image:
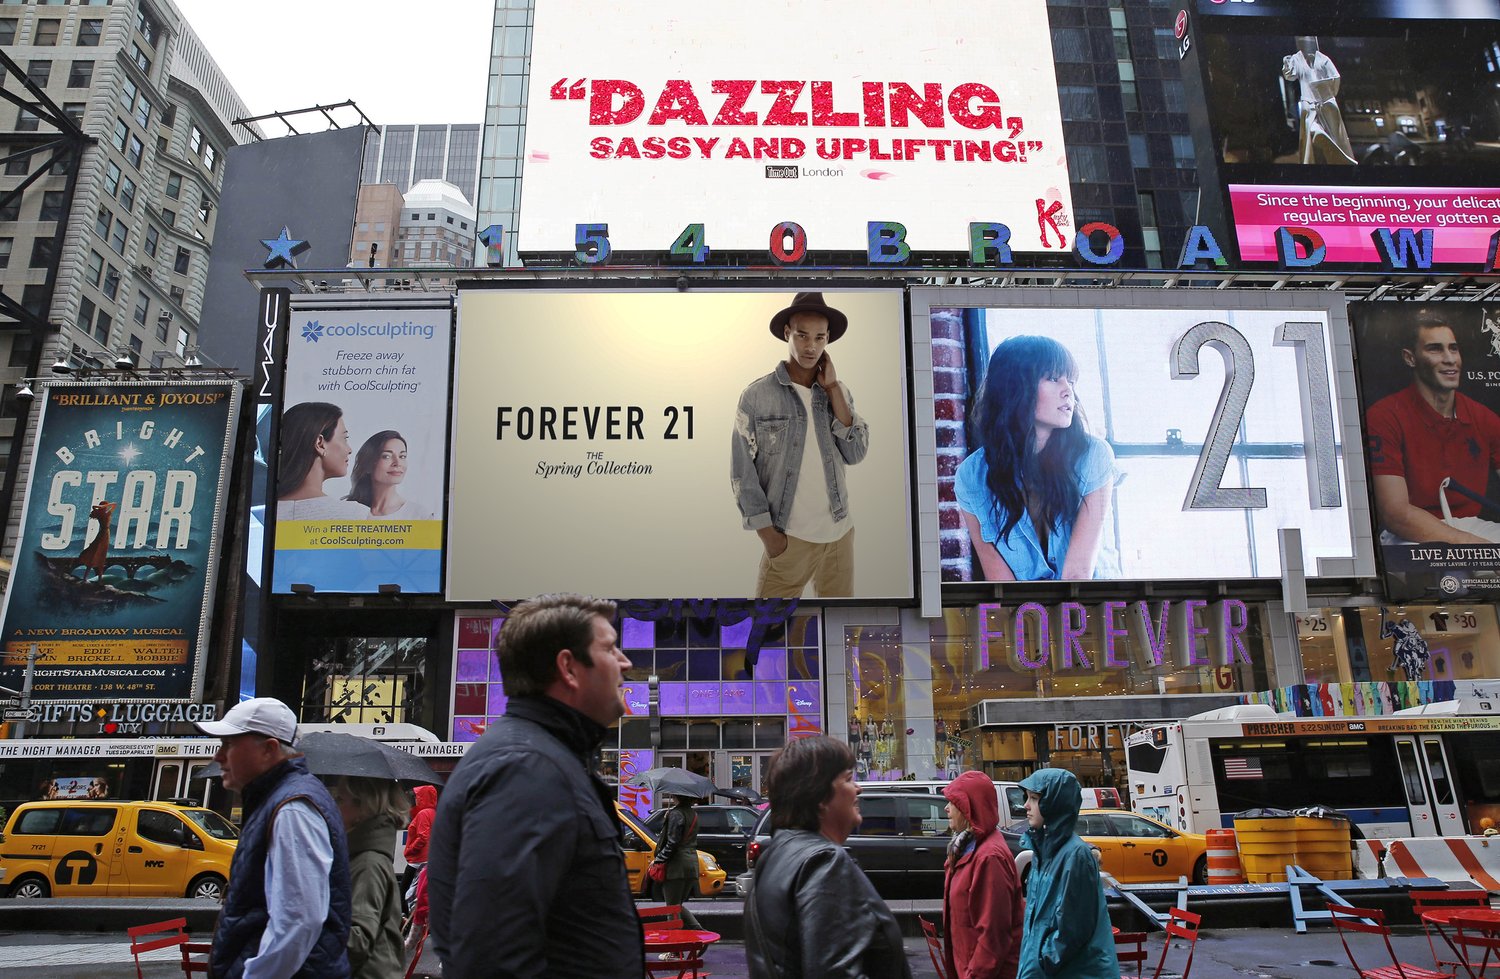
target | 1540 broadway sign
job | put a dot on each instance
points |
(113, 573)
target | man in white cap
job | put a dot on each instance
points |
(287, 909)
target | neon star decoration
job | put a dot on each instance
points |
(284, 250)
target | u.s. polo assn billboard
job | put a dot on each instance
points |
(828, 115)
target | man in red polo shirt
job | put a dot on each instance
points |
(1426, 433)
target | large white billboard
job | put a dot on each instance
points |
(828, 114)
(651, 444)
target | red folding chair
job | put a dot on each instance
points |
(1477, 936)
(1425, 901)
(168, 934)
(934, 947)
(1130, 949)
(1353, 921)
(666, 917)
(1184, 925)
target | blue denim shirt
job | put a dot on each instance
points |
(766, 451)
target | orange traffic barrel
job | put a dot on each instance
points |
(1223, 858)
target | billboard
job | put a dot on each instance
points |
(1429, 391)
(695, 113)
(655, 444)
(1136, 444)
(362, 448)
(114, 568)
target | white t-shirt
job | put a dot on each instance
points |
(810, 518)
(321, 508)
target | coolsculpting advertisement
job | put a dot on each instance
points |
(713, 444)
(828, 115)
(1138, 444)
(1430, 390)
(114, 570)
(363, 441)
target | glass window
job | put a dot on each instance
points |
(128, 92)
(81, 74)
(42, 251)
(212, 823)
(46, 32)
(7, 245)
(127, 194)
(16, 166)
(96, 267)
(142, 111)
(52, 206)
(121, 134)
(85, 318)
(38, 822)
(174, 184)
(112, 178)
(117, 236)
(7, 31)
(139, 57)
(112, 282)
(195, 140)
(101, 327)
(87, 822)
(38, 72)
(27, 121)
(74, 111)
(182, 262)
(89, 32)
(102, 221)
(135, 344)
(133, 153)
(169, 217)
(880, 816)
(142, 307)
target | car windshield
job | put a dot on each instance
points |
(213, 824)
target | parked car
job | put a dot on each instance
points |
(640, 849)
(901, 842)
(73, 848)
(1012, 797)
(723, 831)
(1136, 849)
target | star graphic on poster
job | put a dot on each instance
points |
(284, 250)
(129, 454)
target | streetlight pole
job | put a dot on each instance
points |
(32, 655)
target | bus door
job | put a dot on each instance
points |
(181, 778)
(1431, 795)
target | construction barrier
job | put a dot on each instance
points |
(1223, 858)
(1454, 858)
(1320, 846)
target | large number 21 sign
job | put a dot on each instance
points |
(1206, 491)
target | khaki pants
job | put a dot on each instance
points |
(830, 567)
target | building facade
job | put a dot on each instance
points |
(406, 155)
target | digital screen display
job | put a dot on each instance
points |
(1139, 444)
(664, 434)
(829, 115)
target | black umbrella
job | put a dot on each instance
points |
(329, 753)
(674, 781)
(740, 793)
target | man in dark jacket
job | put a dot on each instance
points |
(525, 874)
(286, 913)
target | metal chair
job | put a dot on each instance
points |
(678, 959)
(1477, 937)
(168, 934)
(663, 916)
(934, 947)
(1130, 949)
(1369, 921)
(1184, 925)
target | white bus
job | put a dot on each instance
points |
(1427, 772)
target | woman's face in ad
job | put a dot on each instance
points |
(1055, 403)
(390, 467)
(336, 452)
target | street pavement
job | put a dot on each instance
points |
(1228, 953)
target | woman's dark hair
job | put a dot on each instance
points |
(801, 779)
(1005, 428)
(360, 488)
(300, 427)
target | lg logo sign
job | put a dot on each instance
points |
(1180, 30)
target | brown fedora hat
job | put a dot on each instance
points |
(810, 302)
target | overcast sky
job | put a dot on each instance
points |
(402, 63)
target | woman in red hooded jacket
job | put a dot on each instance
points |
(982, 905)
(418, 833)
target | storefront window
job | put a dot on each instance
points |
(365, 680)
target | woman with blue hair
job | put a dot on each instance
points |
(1036, 493)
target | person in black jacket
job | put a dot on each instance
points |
(678, 852)
(521, 889)
(812, 913)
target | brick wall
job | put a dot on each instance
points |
(950, 389)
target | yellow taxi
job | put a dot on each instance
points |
(1136, 849)
(72, 848)
(640, 850)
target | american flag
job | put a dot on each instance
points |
(1242, 768)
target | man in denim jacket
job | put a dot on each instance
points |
(794, 431)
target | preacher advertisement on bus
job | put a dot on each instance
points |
(1430, 393)
(363, 448)
(114, 569)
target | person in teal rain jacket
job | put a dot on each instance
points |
(1066, 934)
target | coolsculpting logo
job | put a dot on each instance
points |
(313, 331)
